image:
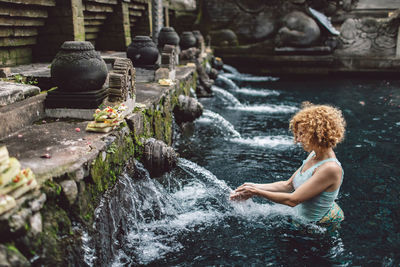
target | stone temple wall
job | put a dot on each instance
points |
(33, 30)
(20, 23)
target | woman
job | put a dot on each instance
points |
(313, 188)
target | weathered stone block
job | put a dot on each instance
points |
(25, 32)
(13, 92)
(15, 116)
(23, 60)
(23, 12)
(10, 256)
(7, 21)
(32, 2)
(112, 2)
(70, 190)
(98, 8)
(5, 72)
(5, 32)
(16, 41)
(36, 224)
(135, 123)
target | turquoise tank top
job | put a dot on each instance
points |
(315, 208)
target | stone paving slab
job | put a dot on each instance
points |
(53, 149)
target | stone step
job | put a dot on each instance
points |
(94, 22)
(140, 1)
(32, 2)
(111, 2)
(17, 41)
(90, 36)
(18, 32)
(7, 21)
(135, 13)
(137, 6)
(22, 11)
(92, 29)
(92, 16)
(132, 20)
(98, 8)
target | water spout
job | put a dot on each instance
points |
(220, 122)
(230, 69)
(227, 96)
(225, 82)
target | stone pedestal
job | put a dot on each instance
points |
(84, 114)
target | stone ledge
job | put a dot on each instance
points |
(67, 149)
(70, 150)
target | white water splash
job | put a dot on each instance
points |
(249, 77)
(268, 108)
(88, 249)
(203, 203)
(187, 164)
(226, 95)
(257, 92)
(193, 93)
(218, 121)
(230, 69)
(265, 141)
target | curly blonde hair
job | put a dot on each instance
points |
(323, 125)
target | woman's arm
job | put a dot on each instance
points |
(319, 182)
(280, 186)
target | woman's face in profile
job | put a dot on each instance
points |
(300, 137)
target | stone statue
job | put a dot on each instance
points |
(298, 30)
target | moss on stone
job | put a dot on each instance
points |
(108, 165)
(49, 243)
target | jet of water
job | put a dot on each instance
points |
(226, 95)
(220, 122)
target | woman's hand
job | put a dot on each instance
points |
(244, 192)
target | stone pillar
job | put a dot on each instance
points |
(398, 44)
(166, 13)
(65, 22)
(116, 32)
(78, 20)
(157, 18)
